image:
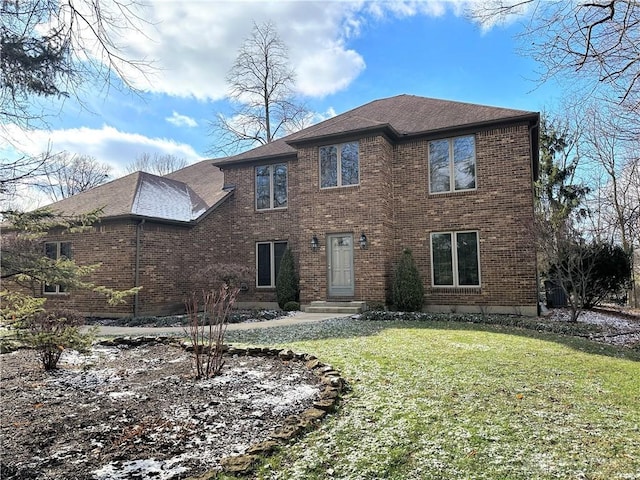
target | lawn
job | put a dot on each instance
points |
(453, 401)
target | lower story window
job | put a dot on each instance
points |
(56, 251)
(455, 259)
(268, 257)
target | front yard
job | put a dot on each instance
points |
(449, 401)
(440, 398)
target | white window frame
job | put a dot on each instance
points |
(452, 172)
(338, 166)
(454, 260)
(272, 257)
(271, 168)
(58, 290)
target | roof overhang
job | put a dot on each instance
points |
(279, 157)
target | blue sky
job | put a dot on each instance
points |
(345, 53)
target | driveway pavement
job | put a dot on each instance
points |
(293, 319)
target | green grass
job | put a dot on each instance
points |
(453, 401)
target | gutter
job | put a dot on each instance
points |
(137, 267)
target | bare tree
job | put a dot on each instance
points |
(19, 171)
(156, 163)
(615, 166)
(66, 174)
(596, 43)
(261, 84)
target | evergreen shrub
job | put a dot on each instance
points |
(408, 290)
(287, 287)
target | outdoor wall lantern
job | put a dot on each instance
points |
(315, 244)
(363, 241)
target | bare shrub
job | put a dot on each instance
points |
(212, 277)
(206, 329)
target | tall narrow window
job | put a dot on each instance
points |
(56, 251)
(271, 186)
(268, 258)
(339, 165)
(452, 164)
(455, 260)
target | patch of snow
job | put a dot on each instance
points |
(119, 395)
(280, 403)
(596, 318)
(165, 198)
(618, 330)
(141, 469)
(83, 380)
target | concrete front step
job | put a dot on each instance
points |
(335, 307)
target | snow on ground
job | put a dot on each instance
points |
(619, 328)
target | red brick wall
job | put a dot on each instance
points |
(162, 267)
(391, 205)
(112, 244)
(366, 208)
(500, 209)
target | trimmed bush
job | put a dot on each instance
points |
(376, 306)
(408, 290)
(291, 307)
(287, 282)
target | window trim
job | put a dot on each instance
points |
(58, 245)
(273, 278)
(338, 166)
(452, 179)
(454, 259)
(271, 167)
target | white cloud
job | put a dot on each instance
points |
(194, 43)
(107, 145)
(181, 120)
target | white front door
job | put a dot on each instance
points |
(340, 265)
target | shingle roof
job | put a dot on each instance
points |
(187, 194)
(182, 196)
(402, 115)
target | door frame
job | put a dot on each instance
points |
(340, 291)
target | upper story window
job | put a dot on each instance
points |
(56, 251)
(452, 164)
(271, 186)
(339, 165)
(455, 259)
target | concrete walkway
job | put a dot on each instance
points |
(296, 318)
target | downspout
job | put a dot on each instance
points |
(137, 267)
(534, 154)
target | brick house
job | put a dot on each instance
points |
(451, 181)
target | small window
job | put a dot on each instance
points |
(455, 260)
(339, 165)
(452, 164)
(271, 186)
(268, 258)
(56, 251)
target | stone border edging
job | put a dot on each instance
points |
(293, 425)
